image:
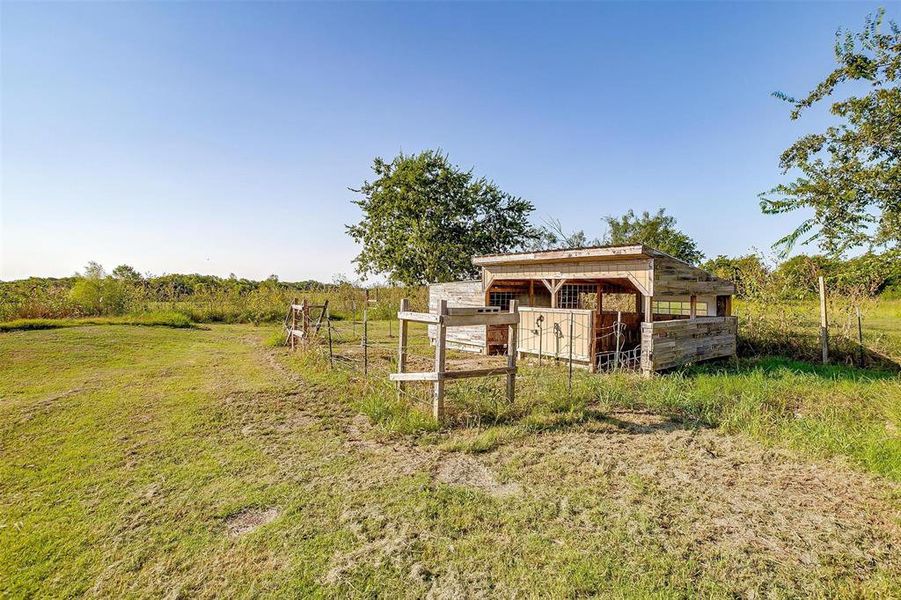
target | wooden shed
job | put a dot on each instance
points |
(593, 303)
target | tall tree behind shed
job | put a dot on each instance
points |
(425, 218)
(658, 231)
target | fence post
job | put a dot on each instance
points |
(512, 339)
(305, 321)
(860, 351)
(366, 340)
(293, 321)
(331, 355)
(540, 337)
(571, 353)
(824, 322)
(440, 355)
(619, 316)
(402, 346)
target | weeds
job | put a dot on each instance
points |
(151, 319)
(821, 411)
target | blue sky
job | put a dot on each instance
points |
(218, 138)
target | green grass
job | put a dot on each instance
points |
(822, 411)
(149, 319)
(125, 451)
(792, 329)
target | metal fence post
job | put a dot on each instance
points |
(619, 316)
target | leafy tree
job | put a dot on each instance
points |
(800, 274)
(748, 273)
(850, 174)
(94, 270)
(551, 235)
(126, 273)
(658, 231)
(97, 294)
(424, 219)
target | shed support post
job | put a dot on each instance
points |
(648, 307)
(440, 355)
(693, 307)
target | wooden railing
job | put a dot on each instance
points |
(454, 317)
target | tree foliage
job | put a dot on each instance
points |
(658, 231)
(126, 273)
(850, 174)
(749, 273)
(552, 236)
(424, 219)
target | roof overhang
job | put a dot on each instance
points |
(603, 253)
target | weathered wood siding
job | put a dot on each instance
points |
(636, 270)
(459, 293)
(555, 342)
(675, 278)
(667, 344)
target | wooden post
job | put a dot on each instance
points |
(402, 345)
(366, 339)
(512, 340)
(592, 348)
(648, 308)
(305, 322)
(293, 322)
(331, 355)
(693, 307)
(860, 351)
(440, 355)
(570, 385)
(321, 316)
(824, 321)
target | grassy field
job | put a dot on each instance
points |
(153, 461)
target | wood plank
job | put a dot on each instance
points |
(450, 375)
(419, 317)
(482, 319)
(430, 376)
(471, 310)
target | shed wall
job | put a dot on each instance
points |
(675, 278)
(459, 293)
(667, 344)
(551, 336)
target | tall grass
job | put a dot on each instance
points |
(822, 411)
(791, 328)
(151, 319)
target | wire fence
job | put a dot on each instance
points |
(370, 348)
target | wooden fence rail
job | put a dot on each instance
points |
(455, 317)
(300, 324)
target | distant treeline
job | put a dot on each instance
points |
(867, 275)
(203, 298)
(206, 298)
